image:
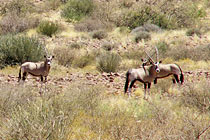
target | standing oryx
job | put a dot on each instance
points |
(40, 69)
(145, 74)
(149, 73)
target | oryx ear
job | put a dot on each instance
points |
(160, 61)
(44, 56)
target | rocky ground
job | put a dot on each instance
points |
(114, 82)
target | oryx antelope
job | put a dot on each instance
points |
(145, 74)
(40, 69)
(149, 73)
(166, 70)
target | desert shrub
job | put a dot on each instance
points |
(196, 95)
(18, 7)
(13, 23)
(196, 53)
(193, 31)
(18, 49)
(89, 25)
(146, 28)
(100, 34)
(108, 62)
(48, 28)
(31, 117)
(136, 18)
(84, 60)
(135, 54)
(75, 10)
(108, 46)
(142, 35)
(162, 14)
(151, 27)
(65, 55)
(162, 47)
(76, 45)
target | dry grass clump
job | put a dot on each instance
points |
(89, 25)
(193, 31)
(65, 55)
(13, 23)
(184, 52)
(142, 36)
(196, 95)
(100, 34)
(108, 62)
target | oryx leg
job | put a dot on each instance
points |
(45, 81)
(131, 85)
(176, 77)
(145, 90)
(24, 76)
(149, 85)
(41, 85)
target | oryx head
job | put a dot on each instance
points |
(152, 62)
(48, 59)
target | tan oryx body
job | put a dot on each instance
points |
(170, 69)
(146, 75)
(40, 69)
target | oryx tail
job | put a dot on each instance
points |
(181, 74)
(19, 78)
(126, 82)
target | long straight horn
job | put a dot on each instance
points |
(149, 56)
(157, 55)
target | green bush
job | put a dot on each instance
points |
(100, 34)
(136, 18)
(142, 35)
(18, 49)
(48, 28)
(163, 14)
(108, 62)
(75, 10)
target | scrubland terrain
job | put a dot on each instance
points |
(95, 42)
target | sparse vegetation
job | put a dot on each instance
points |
(142, 36)
(75, 10)
(100, 34)
(99, 41)
(108, 62)
(13, 23)
(48, 28)
(18, 49)
(65, 55)
(193, 31)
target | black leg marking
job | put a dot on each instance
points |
(45, 79)
(174, 81)
(177, 78)
(149, 85)
(24, 76)
(132, 83)
(145, 86)
(155, 81)
(41, 78)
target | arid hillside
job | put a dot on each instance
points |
(94, 44)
